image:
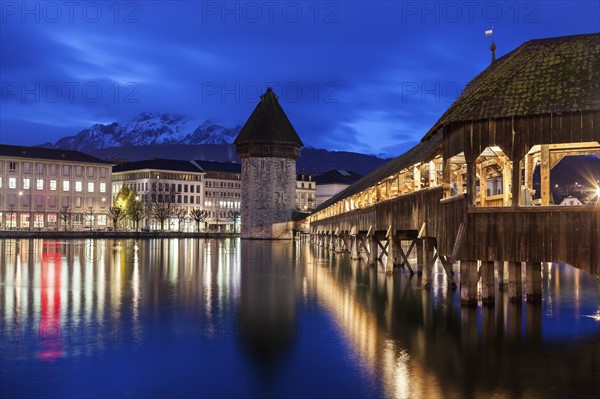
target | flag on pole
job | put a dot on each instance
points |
(489, 32)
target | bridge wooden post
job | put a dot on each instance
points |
(389, 263)
(427, 279)
(419, 242)
(533, 281)
(372, 261)
(502, 275)
(515, 284)
(354, 249)
(468, 282)
(488, 285)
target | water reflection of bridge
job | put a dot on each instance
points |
(424, 345)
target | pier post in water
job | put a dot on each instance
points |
(419, 256)
(428, 266)
(515, 282)
(533, 276)
(468, 282)
(488, 286)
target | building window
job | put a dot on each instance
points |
(78, 170)
(39, 168)
(53, 170)
(191, 188)
(12, 166)
(78, 186)
(101, 220)
(91, 171)
(191, 199)
(78, 202)
(26, 183)
(90, 187)
(52, 185)
(66, 185)
(102, 187)
(39, 183)
(102, 172)
(52, 201)
(66, 170)
(12, 182)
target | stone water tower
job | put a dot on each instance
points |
(268, 146)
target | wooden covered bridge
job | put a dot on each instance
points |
(476, 189)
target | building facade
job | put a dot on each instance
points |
(48, 189)
(159, 183)
(306, 189)
(222, 194)
(333, 182)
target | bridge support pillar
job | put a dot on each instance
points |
(488, 285)
(468, 282)
(354, 248)
(533, 275)
(331, 245)
(389, 263)
(427, 268)
(515, 282)
(502, 276)
(372, 260)
(419, 256)
(339, 244)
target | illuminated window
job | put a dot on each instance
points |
(65, 185)
(12, 182)
(90, 187)
(39, 184)
(78, 186)
(26, 183)
(52, 185)
(102, 187)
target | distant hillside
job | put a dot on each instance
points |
(313, 160)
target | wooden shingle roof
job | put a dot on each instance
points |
(268, 124)
(553, 75)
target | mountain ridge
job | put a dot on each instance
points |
(162, 135)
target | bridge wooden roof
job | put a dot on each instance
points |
(542, 76)
(424, 151)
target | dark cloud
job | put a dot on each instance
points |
(352, 75)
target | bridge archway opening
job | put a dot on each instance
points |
(576, 177)
(455, 176)
(493, 178)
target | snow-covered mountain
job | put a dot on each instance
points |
(148, 129)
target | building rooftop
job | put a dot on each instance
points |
(157, 164)
(542, 76)
(338, 176)
(268, 124)
(215, 166)
(48, 153)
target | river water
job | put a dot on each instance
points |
(170, 318)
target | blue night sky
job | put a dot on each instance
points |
(362, 76)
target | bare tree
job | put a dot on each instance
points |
(66, 214)
(180, 214)
(234, 215)
(116, 213)
(199, 216)
(89, 217)
(134, 209)
(163, 207)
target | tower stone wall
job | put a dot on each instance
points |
(268, 197)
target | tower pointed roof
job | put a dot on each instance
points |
(268, 124)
